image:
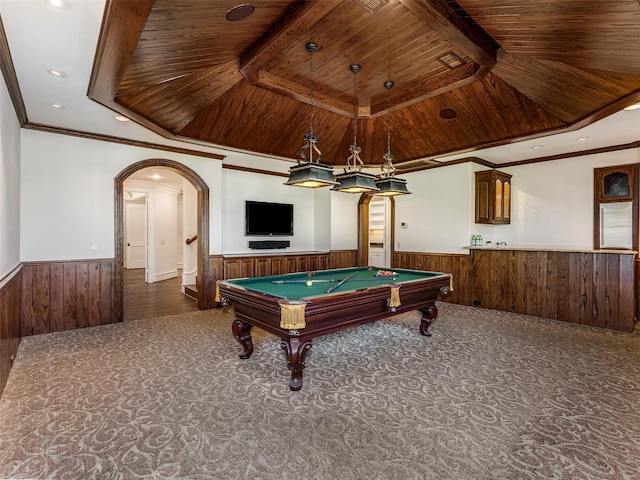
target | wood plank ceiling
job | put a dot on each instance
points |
(507, 69)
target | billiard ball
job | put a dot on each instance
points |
(309, 283)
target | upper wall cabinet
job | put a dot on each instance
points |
(493, 197)
(615, 200)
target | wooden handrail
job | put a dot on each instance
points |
(189, 241)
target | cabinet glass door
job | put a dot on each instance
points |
(616, 225)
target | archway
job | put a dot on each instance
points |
(203, 228)
(363, 229)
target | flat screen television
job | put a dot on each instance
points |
(265, 218)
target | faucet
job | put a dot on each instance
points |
(501, 243)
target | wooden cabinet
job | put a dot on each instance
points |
(615, 201)
(493, 197)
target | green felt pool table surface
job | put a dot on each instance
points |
(293, 286)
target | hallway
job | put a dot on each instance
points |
(145, 300)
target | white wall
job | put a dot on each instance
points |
(67, 194)
(439, 211)
(9, 184)
(552, 203)
(67, 186)
(344, 221)
(239, 186)
(163, 234)
(189, 229)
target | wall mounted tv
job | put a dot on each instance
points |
(265, 218)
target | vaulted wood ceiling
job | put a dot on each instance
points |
(508, 69)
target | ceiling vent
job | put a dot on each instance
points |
(371, 5)
(450, 60)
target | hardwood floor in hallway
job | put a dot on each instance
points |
(145, 300)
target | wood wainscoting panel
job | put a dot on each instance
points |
(343, 258)
(58, 296)
(587, 288)
(459, 265)
(216, 272)
(10, 335)
(264, 265)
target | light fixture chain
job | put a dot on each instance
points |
(355, 108)
(311, 91)
(388, 120)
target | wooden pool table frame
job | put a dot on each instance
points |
(327, 314)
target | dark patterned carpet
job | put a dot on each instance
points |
(490, 396)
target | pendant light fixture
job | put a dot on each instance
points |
(308, 172)
(353, 180)
(387, 183)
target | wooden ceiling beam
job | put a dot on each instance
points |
(443, 20)
(421, 91)
(274, 41)
(301, 93)
(122, 25)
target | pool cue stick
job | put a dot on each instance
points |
(341, 282)
(310, 279)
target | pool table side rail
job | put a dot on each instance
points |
(332, 313)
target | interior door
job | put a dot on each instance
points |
(136, 236)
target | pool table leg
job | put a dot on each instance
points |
(429, 315)
(295, 351)
(242, 332)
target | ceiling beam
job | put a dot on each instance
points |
(420, 91)
(122, 25)
(442, 19)
(279, 36)
(301, 94)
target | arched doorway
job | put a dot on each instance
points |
(203, 228)
(363, 229)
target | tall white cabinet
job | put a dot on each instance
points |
(379, 232)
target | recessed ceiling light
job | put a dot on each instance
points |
(536, 147)
(635, 106)
(121, 118)
(240, 12)
(61, 4)
(582, 139)
(56, 105)
(57, 73)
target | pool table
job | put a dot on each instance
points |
(298, 307)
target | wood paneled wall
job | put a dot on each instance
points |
(588, 288)
(263, 265)
(9, 322)
(216, 272)
(343, 258)
(459, 265)
(59, 296)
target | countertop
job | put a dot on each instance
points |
(551, 249)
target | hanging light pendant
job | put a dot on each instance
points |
(308, 172)
(353, 180)
(387, 183)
